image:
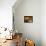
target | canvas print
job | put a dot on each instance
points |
(28, 19)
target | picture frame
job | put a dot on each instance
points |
(28, 19)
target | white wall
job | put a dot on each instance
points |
(30, 30)
(6, 13)
(43, 22)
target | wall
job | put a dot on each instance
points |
(43, 22)
(6, 13)
(30, 30)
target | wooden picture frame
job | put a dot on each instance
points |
(28, 19)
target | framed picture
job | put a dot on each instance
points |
(28, 19)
